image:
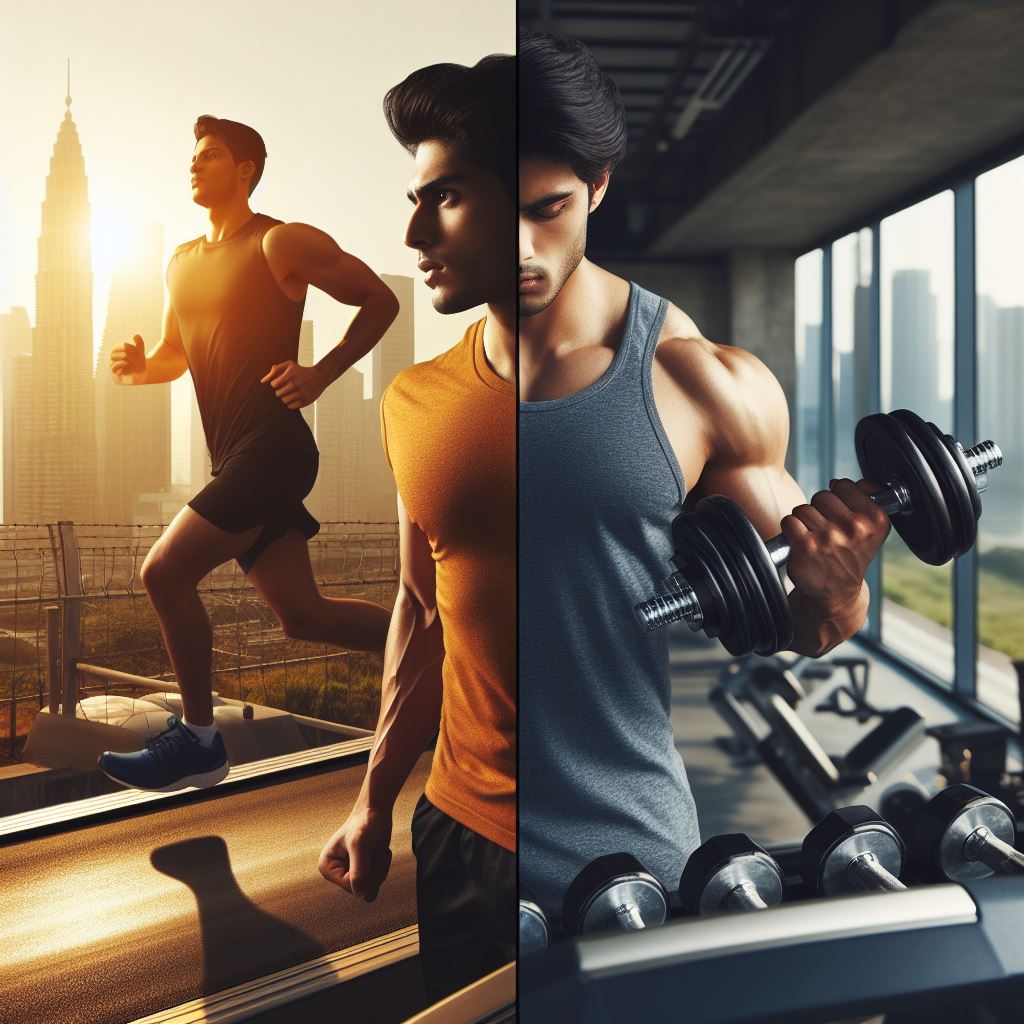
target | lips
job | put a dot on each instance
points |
(530, 282)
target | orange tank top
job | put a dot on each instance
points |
(449, 431)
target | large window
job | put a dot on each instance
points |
(929, 315)
(916, 349)
(851, 344)
(809, 421)
(999, 233)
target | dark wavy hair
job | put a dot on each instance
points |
(243, 142)
(471, 108)
(569, 109)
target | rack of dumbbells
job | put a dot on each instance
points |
(855, 921)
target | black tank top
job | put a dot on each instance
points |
(235, 324)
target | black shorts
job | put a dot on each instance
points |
(260, 488)
(466, 903)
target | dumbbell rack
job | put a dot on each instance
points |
(822, 959)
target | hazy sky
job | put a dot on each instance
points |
(309, 76)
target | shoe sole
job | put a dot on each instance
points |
(204, 780)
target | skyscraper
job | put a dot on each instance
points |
(133, 424)
(15, 341)
(915, 348)
(61, 471)
(393, 353)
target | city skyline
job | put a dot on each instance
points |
(332, 161)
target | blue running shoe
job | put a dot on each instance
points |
(171, 760)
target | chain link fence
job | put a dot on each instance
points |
(252, 658)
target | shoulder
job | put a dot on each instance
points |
(296, 237)
(418, 381)
(738, 397)
(192, 243)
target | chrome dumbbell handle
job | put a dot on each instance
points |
(680, 602)
(1001, 857)
(745, 897)
(866, 872)
(629, 917)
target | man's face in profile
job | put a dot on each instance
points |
(553, 209)
(462, 228)
(215, 177)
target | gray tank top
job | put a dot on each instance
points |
(599, 486)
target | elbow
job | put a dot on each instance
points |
(387, 301)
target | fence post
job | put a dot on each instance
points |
(71, 633)
(53, 674)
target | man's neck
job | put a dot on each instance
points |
(227, 219)
(500, 339)
(585, 312)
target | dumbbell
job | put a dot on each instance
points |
(964, 833)
(614, 891)
(727, 581)
(852, 849)
(534, 932)
(729, 872)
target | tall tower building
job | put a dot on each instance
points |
(393, 353)
(915, 348)
(15, 341)
(133, 424)
(62, 449)
(340, 491)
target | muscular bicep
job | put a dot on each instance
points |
(749, 433)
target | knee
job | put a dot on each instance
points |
(159, 578)
(298, 626)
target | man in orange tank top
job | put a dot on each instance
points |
(448, 427)
(233, 318)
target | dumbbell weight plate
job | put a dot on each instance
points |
(533, 927)
(944, 825)
(722, 864)
(593, 898)
(885, 450)
(951, 480)
(778, 632)
(699, 559)
(841, 837)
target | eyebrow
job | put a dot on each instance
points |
(537, 204)
(433, 185)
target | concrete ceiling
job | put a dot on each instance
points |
(948, 87)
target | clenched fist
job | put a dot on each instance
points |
(128, 362)
(358, 856)
(833, 540)
(297, 386)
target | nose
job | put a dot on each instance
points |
(421, 231)
(525, 240)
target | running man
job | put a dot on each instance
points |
(449, 432)
(233, 315)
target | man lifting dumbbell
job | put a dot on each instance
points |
(626, 412)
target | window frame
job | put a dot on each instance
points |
(962, 183)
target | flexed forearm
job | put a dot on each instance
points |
(375, 316)
(410, 707)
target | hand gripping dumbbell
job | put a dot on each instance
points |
(534, 932)
(614, 891)
(852, 850)
(965, 833)
(728, 582)
(729, 872)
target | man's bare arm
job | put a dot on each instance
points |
(307, 254)
(833, 539)
(410, 707)
(131, 364)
